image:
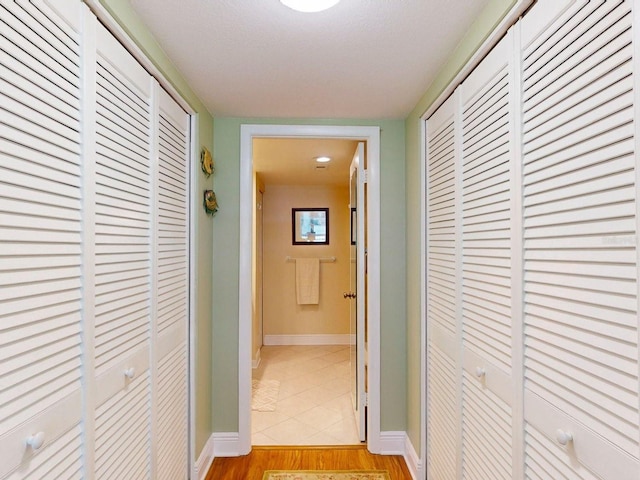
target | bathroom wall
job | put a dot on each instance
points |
(282, 315)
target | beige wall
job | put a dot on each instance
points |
(282, 315)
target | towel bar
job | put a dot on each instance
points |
(323, 259)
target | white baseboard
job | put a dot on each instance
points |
(226, 444)
(398, 443)
(312, 339)
(414, 464)
(255, 363)
(204, 461)
(392, 443)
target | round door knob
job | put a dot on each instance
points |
(36, 441)
(130, 373)
(480, 372)
(563, 437)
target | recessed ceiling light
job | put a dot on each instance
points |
(323, 159)
(309, 6)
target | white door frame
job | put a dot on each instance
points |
(372, 136)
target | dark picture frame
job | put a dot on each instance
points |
(354, 226)
(310, 226)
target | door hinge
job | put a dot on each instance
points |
(365, 176)
(365, 399)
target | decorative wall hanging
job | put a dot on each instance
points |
(210, 203)
(206, 162)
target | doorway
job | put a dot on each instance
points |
(302, 387)
(370, 135)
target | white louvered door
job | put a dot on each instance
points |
(123, 262)
(580, 242)
(487, 188)
(442, 295)
(94, 254)
(172, 297)
(40, 241)
(541, 258)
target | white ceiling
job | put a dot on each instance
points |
(360, 59)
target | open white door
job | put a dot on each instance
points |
(358, 290)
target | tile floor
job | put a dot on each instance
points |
(314, 401)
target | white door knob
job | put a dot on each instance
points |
(130, 372)
(480, 372)
(36, 441)
(563, 437)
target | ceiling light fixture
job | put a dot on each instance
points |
(309, 6)
(323, 159)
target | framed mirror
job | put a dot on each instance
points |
(310, 226)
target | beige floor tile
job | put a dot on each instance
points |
(314, 403)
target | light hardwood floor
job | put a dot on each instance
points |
(252, 466)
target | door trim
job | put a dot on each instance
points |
(371, 135)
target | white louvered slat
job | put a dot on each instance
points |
(487, 428)
(172, 226)
(441, 224)
(441, 454)
(61, 459)
(122, 432)
(486, 294)
(580, 262)
(442, 293)
(486, 264)
(40, 242)
(123, 216)
(545, 460)
(172, 293)
(172, 415)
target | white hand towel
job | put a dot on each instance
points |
(307, 281)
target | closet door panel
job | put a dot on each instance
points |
(122, 433)
(40, 225)
(172, 414)
(487, 432)
(486, 189)
(442, 350)
(172, 290)
(123, 193)
(441, 419)
(123, 262)
(598, 458)
(486, 295)
(580, 259)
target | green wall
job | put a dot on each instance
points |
(225, 264)
(473, 39)
(123, 13)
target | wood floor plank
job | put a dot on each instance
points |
(252, 466)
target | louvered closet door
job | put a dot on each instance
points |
(123, 263)
(487, 161)
(172, 229)
(442, 295)
(40, 240)
(580, 239)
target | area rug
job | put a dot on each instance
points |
(264, 395)
(326, 475)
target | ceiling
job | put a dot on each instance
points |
(362, 59)
(366, 59)
(291, 161)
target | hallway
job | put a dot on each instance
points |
(313, 402)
